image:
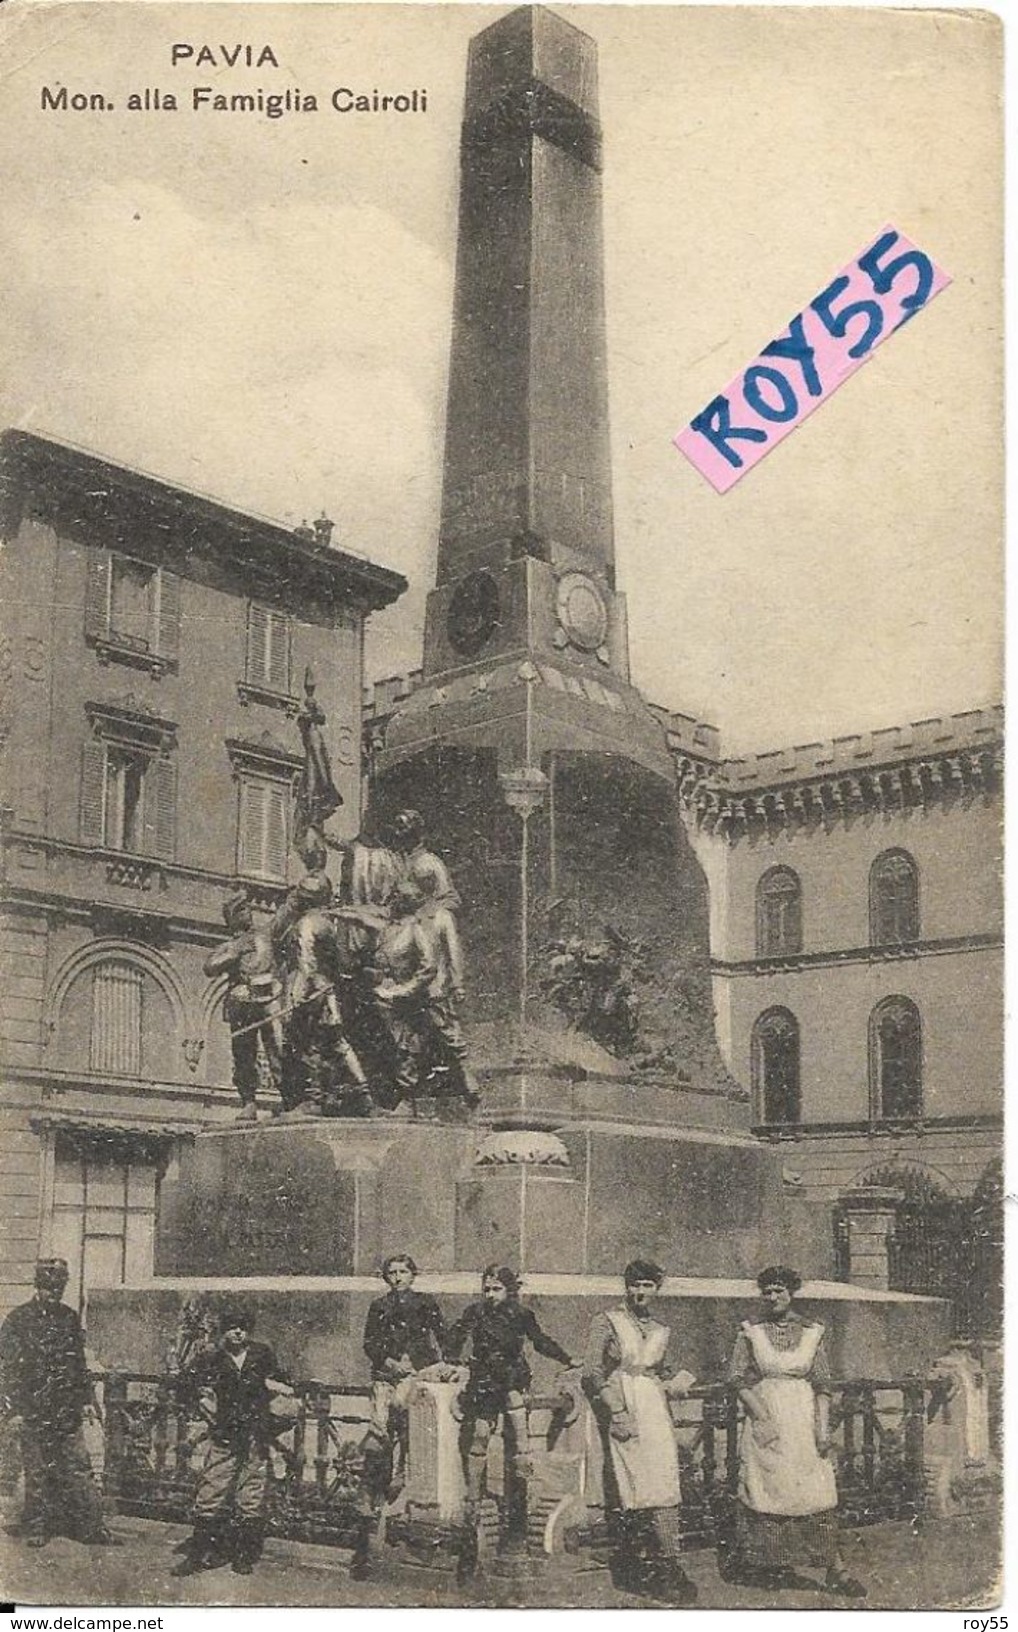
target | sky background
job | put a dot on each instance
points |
(261, 310)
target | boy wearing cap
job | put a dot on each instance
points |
(251, 1000)
(443, 1027)
(229, 1504)
(45, 1390)
(405, 965)
(419, 864)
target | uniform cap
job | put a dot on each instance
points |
(51, 1269)
(233, 904)
(315, 889)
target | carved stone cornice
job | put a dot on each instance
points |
(793, 962)
(732, 812)
(248, 693)
(131, 722)
(93, 499)
(264, 755)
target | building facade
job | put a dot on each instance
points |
(857, 943)
(153, 662)
(857, 965)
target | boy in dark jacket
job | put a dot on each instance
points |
(229, 1504)
(497, 1330)
(404, 1333)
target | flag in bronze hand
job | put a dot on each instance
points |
(317, 795)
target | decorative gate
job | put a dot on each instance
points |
(941, 1245)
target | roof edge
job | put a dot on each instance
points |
(23, 454)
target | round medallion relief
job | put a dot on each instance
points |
(582, 611)
(474, 613)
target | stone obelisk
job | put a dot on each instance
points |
(527, 470)
(541, 772)
(545, 781)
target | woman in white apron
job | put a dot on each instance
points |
(787, 1498)
(628, 1379)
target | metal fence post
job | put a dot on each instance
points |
(913, 1395)
(114, 1410)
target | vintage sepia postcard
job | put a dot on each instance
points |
(501, 743)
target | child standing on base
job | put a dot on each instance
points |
(497, 1330)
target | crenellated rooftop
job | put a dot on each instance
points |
(943, 734)
(891, 768)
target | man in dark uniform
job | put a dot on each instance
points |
(229, 1504)
(404, 1333)
(44, 1388)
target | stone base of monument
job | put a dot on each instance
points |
(328, 1198)
(299, 1216)
(295, 1218)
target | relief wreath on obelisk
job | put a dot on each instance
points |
(544, 778)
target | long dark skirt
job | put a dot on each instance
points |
(774, 1541)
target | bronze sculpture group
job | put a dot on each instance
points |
(347, 1002)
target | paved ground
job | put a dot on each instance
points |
(943, 1564)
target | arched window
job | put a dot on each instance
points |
(116, 1019)
(896, 1061)
(775, 1063)
(894, 899)
(778, 913)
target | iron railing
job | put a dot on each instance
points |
(155, 1434)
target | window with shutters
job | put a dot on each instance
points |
(896, 1061)
(105, 1192)
(263, 834)
(115, 1045)
(894, 899)
(775, 1068)
(132, 611)
(267, 673)
(778, 913)
(129, 783)
(265, 771)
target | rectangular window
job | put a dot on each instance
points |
(132, 608)
(263, 828)
(268, 649)
(134, 593)
(128, 800)
(104, 1211)
(125, 799)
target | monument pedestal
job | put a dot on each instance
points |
(297, 1218)
(327, 1197)
(335, 1197)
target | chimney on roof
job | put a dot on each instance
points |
(323, 532)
